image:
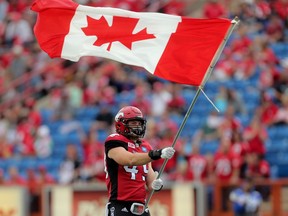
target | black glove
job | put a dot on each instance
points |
(155, 154)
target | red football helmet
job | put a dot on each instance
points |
(126, 114)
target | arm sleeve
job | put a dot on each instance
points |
(114, 144)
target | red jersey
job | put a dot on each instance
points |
(223, 166)
(257, 143)
(237, 152)
(262, 169)
(198, 166)
(125, 183)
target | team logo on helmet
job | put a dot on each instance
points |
(118, 116)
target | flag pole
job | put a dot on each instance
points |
(234, 22)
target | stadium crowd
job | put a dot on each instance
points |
(32, 83)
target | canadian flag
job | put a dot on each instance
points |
(175, 48)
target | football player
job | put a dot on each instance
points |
(128, 167)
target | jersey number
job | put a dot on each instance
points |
(134, 171)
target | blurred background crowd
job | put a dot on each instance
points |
(55, 114)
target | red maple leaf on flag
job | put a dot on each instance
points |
(121, 30)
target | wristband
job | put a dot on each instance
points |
(155, 154)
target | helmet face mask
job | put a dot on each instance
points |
(126, 122)
(137, 131)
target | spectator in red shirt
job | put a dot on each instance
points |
(214, 9)
(197, 165)
(267, 76)
(93, 167)
(246, 66)
(243, 43)
(230, 123)
(267, 110)
(223, 167)
(255, 135)
(226, 67)
(34, 115)
(17, 6)
(237, 151)
(265, 54)
(275, 29)
(177, 102)
(25, 145)
(258, 169)
(281, 8)
(175, 7)
(141, 99)
(262, 9)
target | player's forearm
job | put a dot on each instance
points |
(138, 159)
